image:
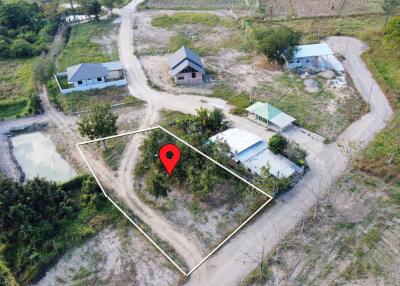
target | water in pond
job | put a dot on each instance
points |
(37, 155)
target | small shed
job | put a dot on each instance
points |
(186, 67)
(315, 56)
(269, 116)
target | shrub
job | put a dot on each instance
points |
(21, 49)
(277, 143)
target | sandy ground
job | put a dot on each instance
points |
(112, 257)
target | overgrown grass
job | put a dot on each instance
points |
(82, 101)
(81, 48)
(206, 19)
(17, 85)
(112, 155)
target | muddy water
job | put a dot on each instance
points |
(37, 155)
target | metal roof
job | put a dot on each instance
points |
(271, 113)
(113, 66)
(237, 139)
(86, 71)
(314, 50)
(253, 153)
(185, 64)
(183, 58)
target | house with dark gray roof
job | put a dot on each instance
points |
(186, 67)
(87, 76)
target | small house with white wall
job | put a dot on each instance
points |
(253, 153)
(309, 57)
(186, 67)
(86, 76)
(269, 116)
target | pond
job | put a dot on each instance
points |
(37, 156)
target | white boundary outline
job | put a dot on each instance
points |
(270, 198)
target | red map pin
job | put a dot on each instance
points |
(169, 156)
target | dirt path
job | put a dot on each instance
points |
(327, 162)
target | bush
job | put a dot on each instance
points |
(21, 49)
(277, 143)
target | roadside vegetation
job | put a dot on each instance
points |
(18, 93)
(91, 42)
(40, 220)
(206, 19)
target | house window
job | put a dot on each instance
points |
(99, 79)
(307, 61)
(79, 82)
(181, 77)
(291, 61)
(193, 75)
(298, 61)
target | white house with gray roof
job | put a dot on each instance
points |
(88, 76)
(186, 67)
(308, 57)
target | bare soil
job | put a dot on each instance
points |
(115, 256)
(351, 238)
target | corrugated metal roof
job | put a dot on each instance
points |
(237, 139)
(185, 64)
(182, 54)
(271, 113)
(113, 66)
(252, 151)
(264, 110)
(86, 71)
(314, 50)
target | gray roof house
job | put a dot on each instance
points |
(87, 76)
(186, 67)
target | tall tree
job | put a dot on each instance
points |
(389, 7)
(94, 8)
(278, 44)
(110, 4)
(101, 122)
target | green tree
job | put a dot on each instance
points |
(278, 44)
(110, 4)
(91, 194)
(35, 104)
(156, 183)
(277, 143)
(101, 122)
(389, 8)
(392, 31)
(20, 48)
(94, 8)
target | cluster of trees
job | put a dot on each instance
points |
(392, 32)
(94, 7)
(277, 43)
(31, 214)
(197, 174)
(25, 29)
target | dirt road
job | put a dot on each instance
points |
(327, 162)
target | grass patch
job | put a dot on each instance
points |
(206, 19)
(240, 100)
(17, 85)
(82, 101)
(81, 47)
(112, 155)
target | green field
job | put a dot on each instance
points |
(16, 86)
(90, 42)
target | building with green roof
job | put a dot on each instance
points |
(269, 116)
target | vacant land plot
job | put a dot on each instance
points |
(16, 87)
(90, 42)
(351, 237)
(116, 256)
(198, 4)
(313, 8)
